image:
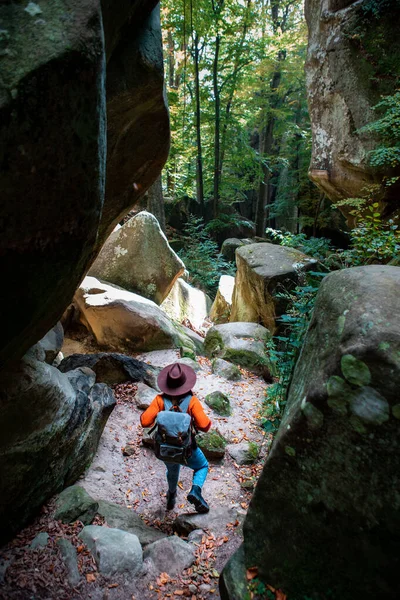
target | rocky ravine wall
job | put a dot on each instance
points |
(76, 153)
(324, 518)
(353, 57)
(55, 132)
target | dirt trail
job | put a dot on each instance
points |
(139, 482)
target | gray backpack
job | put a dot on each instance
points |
(173, 436)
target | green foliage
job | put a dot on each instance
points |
(201, 256)
(387, 129)
(254, 450)
(315, 247)
(373, 240)
(284, 349)
(226, 220)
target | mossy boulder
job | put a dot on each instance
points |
(331, 478)
(219, 403)
(212, 444)
(225, 369)
(73, 504)
(186, 352)
(245, 453)
(243, 344)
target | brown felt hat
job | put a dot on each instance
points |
(176, 379)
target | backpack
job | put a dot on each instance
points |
(173, 435)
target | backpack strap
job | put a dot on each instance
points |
(182, 406)
(167, 403)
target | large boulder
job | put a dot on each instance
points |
(121, 320)
(49, 431)
(185, 302)
(138, 258)
(53, 70)
(352, 60)
(137, 114)
(243, 344)
(221, 309)
(325, 512)
(229, 247)
(263, 271)
(57, 209)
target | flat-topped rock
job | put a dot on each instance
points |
(263, 270)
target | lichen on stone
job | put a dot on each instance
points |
(355, 370)
(369, 406)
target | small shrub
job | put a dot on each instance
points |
(201, 257)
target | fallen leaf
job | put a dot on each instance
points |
(180, 485)
(113, 585)
(178, 592)
(90, 577)
(80, 548)
(252, 572)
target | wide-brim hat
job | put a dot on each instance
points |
(176, 379)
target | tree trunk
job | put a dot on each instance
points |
(155, 202)
(199, 161)
(217, 101)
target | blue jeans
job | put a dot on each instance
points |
(197, 462)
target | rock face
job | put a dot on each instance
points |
(110, 368)
(121, 320)
(186, 302)
(243, 344)
(52, 342)
(221, 309)
(353, 53)
(53, 145)
(56, 212)
(335, 461)
(263, 270)
(138, 258)
(49, 430)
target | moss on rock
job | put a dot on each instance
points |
(219, 403)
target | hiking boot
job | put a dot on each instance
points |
(171, 499)
(197, 499)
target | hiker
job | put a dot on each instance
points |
(176, 382)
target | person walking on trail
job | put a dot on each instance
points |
(176, 382)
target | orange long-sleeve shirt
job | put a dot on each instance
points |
(195, 410)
